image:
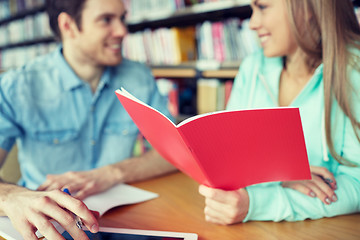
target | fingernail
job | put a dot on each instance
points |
(327, 200)
(334, 198)
(94, 228)
(312, 194)
(328, 180)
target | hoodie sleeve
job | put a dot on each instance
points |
(275, 203)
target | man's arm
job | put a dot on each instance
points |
(149, 165)
(86, 183)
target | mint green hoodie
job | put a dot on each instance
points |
(257, 86)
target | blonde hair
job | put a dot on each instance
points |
(329, 30)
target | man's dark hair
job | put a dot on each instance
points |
(72, 7)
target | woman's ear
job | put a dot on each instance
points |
(68, 27)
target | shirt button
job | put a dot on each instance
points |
(56, 141)
(125, 132)
(93, 142)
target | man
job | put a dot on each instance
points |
(70, 129)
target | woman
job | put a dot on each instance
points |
(310, 60)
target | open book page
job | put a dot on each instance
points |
(132, 97)
(118, 195)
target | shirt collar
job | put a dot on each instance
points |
(106, 76)
(69, 78)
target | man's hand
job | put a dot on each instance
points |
(30, 211)
(322, 185)
(82, 184)
(225, 207)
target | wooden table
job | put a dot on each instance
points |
(180, 208)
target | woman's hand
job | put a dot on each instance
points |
(225, 207)
(30, 211)
(322, 185)
(82, 184)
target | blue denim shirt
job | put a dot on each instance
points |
(60, 125)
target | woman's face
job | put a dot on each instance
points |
(271, 22)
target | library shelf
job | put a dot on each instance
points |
(212, 11)
(165, 72)
(22, 14)
(220, 73)
(174, 72)
(49, 39)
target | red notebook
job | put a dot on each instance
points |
(227, 149)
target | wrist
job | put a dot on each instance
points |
(115, 174)
(7, 190)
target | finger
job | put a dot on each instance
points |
(50, 185)
(212, 215)
(227, 197)
(315, 186)
(300, 187)
(218, 214)
(324, 191)
(216, 207)
(74, 188)
(78, 208)
(44, 186)
(27, 230)
(64, 218)
(87, 190)
(45, 227)
(211, 193)
(326, 175)
(213, 219)
(228, 214)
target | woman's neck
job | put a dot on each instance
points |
(297, 68)
(294, 77)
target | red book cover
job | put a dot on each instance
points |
(227, 149)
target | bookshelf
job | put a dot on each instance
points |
(186, 16)
(209, 13)
(156, 15)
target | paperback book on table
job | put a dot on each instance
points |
(227, 149)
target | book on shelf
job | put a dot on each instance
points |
(230, 40)
(161, 46)
(227, 90)
(212, 95)
(185, 43)
(207, 97)
(169, 89)
(227, 149)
